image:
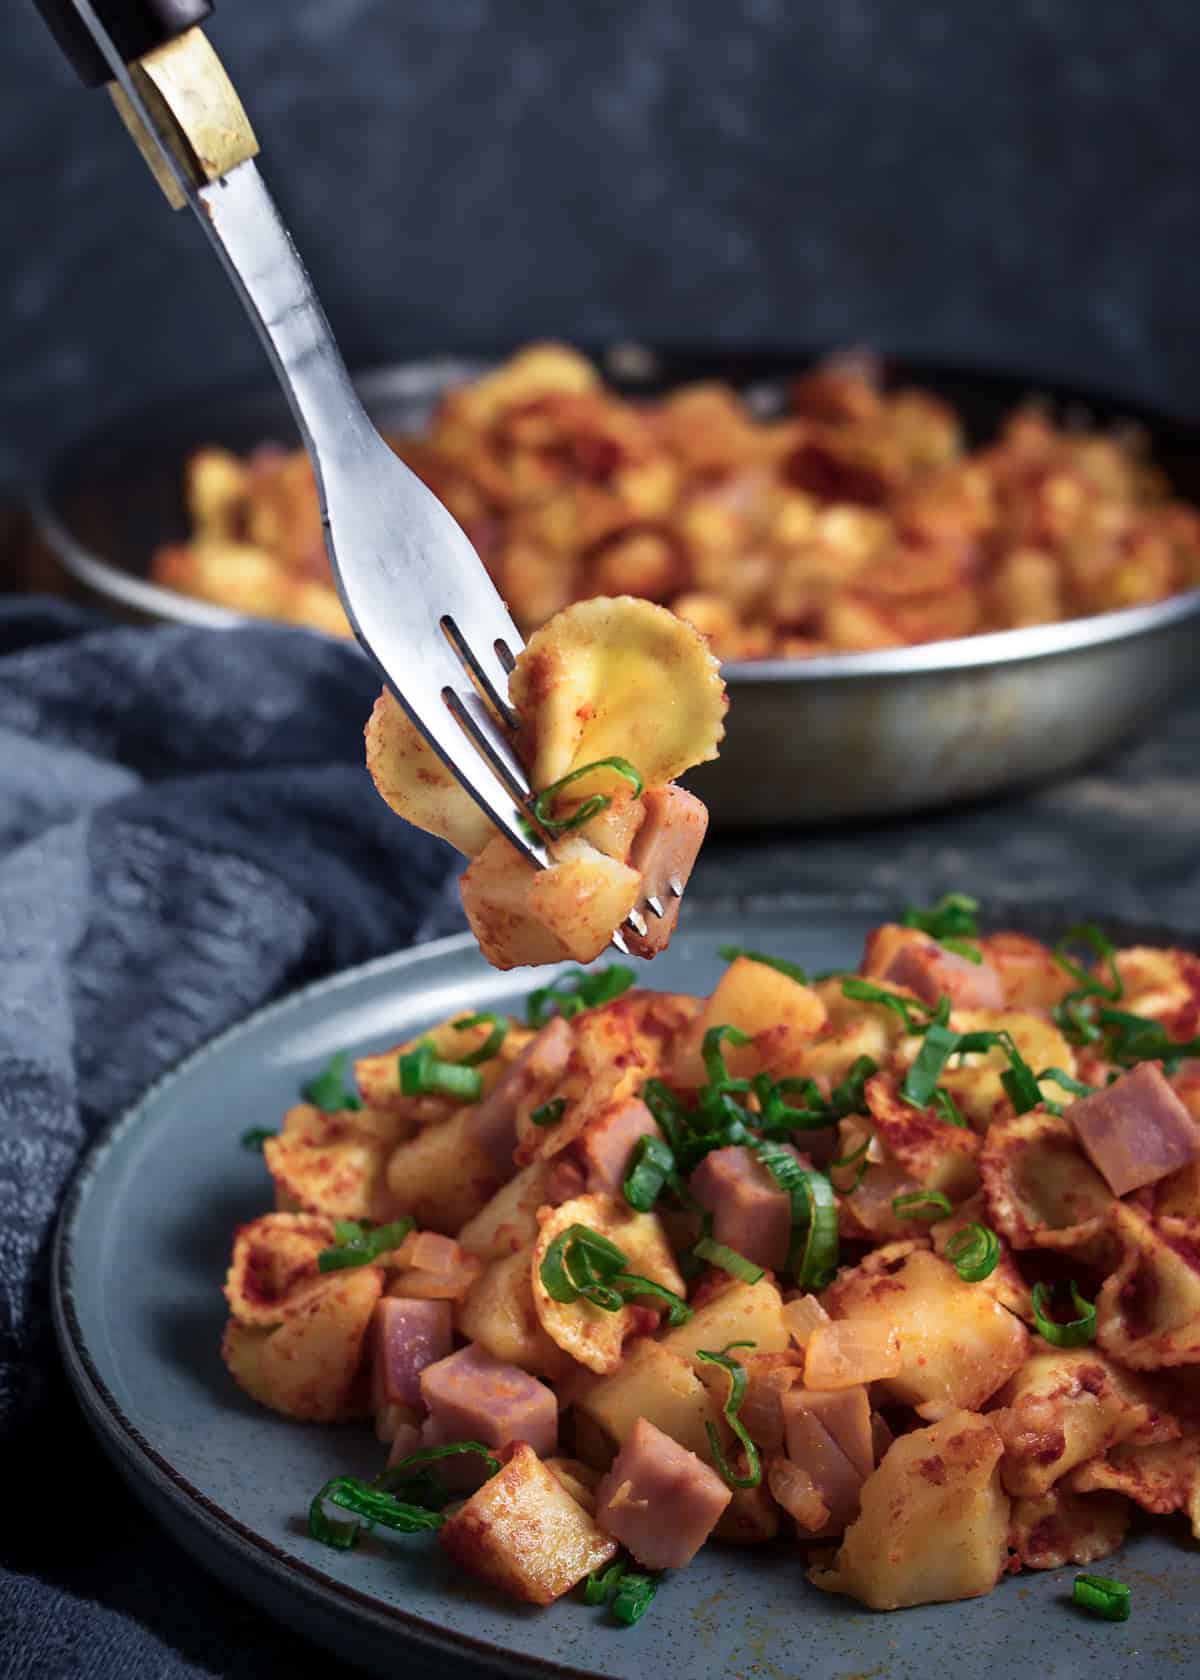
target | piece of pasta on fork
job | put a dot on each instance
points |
(614, 700)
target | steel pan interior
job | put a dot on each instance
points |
(809, 742)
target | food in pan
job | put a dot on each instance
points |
(858, 518)
(615, 699)
(900, 1267)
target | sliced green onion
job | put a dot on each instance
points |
(714, 1061)
(602, 1583)
(1019, 1081)
(667, 1109)
(328, 1089)
(962, 948)
(856, 1157)
(491, 1044)
(651, 1164)
(728, 1260)
(1067, 1081)
(1137, 1038)
(1087, 933)
(921, 1080)
(814, 1248)
(255, 1137)
(776, 1118)
(925, 1205)
(632, 1284)
(730, 953)
(423, 1074)
(356, 1245)
(946, 1108)
(1076, 1331)
(953, 914)
(575, 1264)
(369, 1504)
(865, 991)
(576, 990)
(849, 1095)
(590, 807)
(549, 1113)
(733, 1401)
(632, 1598)
(1108, 1599)
(974, 1252)
(397, 1475)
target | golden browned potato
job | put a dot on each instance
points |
(934, 1520)
(523, 1533)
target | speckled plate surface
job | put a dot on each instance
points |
(140, 1257)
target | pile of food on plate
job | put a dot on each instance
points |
(859, 518)
(901, 1265)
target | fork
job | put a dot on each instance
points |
(414, 590)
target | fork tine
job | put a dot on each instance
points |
(655, 906)
(497, 698)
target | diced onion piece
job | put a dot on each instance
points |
(844, 1353)
(802, 1316)
(796, 1491)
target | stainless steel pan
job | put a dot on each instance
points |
(815, 741)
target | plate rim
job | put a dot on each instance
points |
(136, 1459)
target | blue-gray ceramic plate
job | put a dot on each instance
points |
(140, 1327)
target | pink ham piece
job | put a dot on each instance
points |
(811, 1446)
(659, 1500)
(539, 1067)
(845, 1415)
(606, 1145)
(664, 851)
(407, 1335)
(932, 972)
(1136, 1130)
(473, 1397)
(750, 1212)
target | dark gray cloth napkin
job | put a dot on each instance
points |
(186, 830)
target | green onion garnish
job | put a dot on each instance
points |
(1075, 1013)
(581, 1263)
(377, 1501)
(733, 1402)
(651, 1163)
(848, 1096)
(590, 807)
(423, 1074)
(1068, 1082)
(328, 1089)
(1136, 1038)
(357, 1245)
(953, 915)
(548, 1113)
(856, 1158)
(865, 991)
(962, 948)
(920, 1082)
(730, 953)
(491, 1044)
(1076, 1331)
(728, 1260)
(1108, 1599)
(714, 1061)
(576, 990)
(974, 1252)
(941, 1043)
(667, 1109)
(814, 1249)
(627, 1592)
(256, 1137)
(945, 1107)
(925, 1205)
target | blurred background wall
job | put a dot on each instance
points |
(1016, 184)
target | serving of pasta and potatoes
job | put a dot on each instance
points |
(898, 1266)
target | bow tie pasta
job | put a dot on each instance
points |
(616, 699)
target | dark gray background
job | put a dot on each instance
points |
(1009, 183)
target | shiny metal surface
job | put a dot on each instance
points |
(415, 592)
(859, 736)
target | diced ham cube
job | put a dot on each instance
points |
(539, 1066)
(750, 1212)
(664, 852)
(473, 1397)
(845, 1414)
(407, 1336)
(932, 972)
(1136, 1130)
(813, 1448)
(659, 1500)
(605, 1146)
